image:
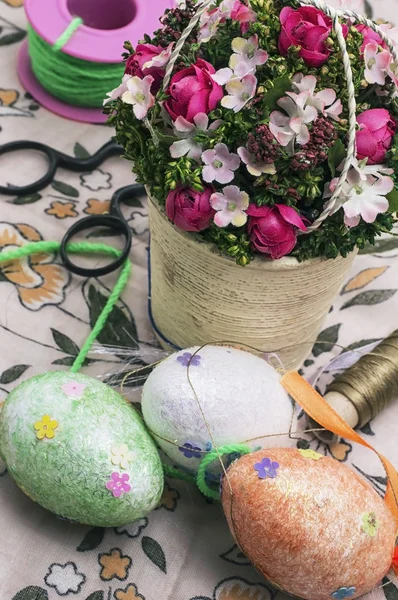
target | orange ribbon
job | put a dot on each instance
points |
(319, 410)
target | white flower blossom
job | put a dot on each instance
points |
(187, 131)
(324, 101)
(292, 127)
(138, 94)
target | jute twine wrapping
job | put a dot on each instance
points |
(200, 297)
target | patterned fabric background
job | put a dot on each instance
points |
(183, 550)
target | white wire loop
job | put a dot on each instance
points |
(335, 14)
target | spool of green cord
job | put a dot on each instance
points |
(69, 79)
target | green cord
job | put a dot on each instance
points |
(215, 456)
(97, 248)
(177, 474)
(72, 80)
(67, 34)
(78, 248)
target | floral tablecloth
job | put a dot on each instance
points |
(183, 550)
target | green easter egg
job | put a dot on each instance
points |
(77, 448)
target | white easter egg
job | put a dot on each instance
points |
(238, 396)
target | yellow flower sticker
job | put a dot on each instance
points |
(311, 454)
(370, 524)
(121, 456)
(45, 427)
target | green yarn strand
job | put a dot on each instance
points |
(102, 319)
(212, 457)
(177, 474)
(78, 248)
(67, 34)
(72, 80)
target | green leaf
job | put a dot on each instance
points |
(92, 539)
(360, 344)
(65, 188)
(32, 592)
(337, 154)
(13, 373)
(66, 361)
(96, 596)
(281, 86)
(30, 199)
(80, 151)
(381, 246)
(392, 198)
(389, 589)
(12, 38)
(154, 552)
(326, 340)
(119, 330)
(65, 343)
(235, 556)
(369, 298)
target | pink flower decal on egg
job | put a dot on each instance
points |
(74, 389)
(118, 484)
(266, 468)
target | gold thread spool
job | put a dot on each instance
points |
(365, 389)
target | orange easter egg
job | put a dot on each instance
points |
(309, 524)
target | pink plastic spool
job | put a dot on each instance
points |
(107, 25)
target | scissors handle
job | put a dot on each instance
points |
(52, 164)
(90, 163)
(55, 159)
(118, 225)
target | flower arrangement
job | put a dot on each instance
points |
(246, 141)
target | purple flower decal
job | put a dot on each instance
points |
(266, 468)
(118, 484)
(190, 450)
(187, 359)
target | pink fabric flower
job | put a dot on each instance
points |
(377, 63)
(149, 60)
(308, 28)
(138, 94)
(239, 92)
(374, 138)
(220, 164)
(192, 90)
(272, 229)
(231, 206)
(190, 210)
(74, 389)
(118, 484)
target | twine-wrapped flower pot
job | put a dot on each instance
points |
(266, 134)
(198, 296)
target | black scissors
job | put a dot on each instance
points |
(114, 220)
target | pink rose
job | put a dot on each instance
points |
(193, 91)
(272, 229)
(190, 210)
(374, 138)
(144, 53)
(308, 28)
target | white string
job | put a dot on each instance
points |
(179, 45)
(334, 203)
